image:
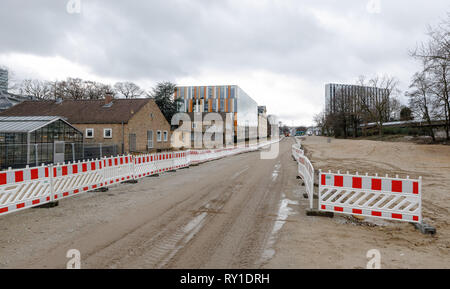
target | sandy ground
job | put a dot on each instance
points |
(220, 214)
(342, 242)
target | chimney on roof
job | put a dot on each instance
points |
(108, 98)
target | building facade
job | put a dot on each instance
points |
(350, 98)
(3, 80)
(230, 99)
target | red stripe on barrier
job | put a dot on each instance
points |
(65, 194)
(338, 209)
(397, 186)
(121, 161)
(357, 211)
(18, 176)
(376, 184)
(64, 170)
(415, 218)
(4, 210)
(76, 191)
(94, 186)
(84, 167)
(54, 172)
(20, 206)
(93, 166)
(126, 160)
(85, 188)
(415, 188)
(115, 162)
(397, 216)
(110, 162)
(46, 172)
(324, 180)
(356, 183)
(48, 199)
(338, 181)
(74, 169)
(36, 202)
(3, 179)
(34, 174)
(376, 214)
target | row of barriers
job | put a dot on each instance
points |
(25, 188)
(305, 170)
(371, 196)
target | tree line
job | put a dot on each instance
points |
(79, 89)
(428, 93)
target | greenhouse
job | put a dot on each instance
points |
(38, 140)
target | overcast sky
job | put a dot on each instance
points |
(280, 52)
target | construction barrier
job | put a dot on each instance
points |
(29, 187)
(305, 170)
(24, 188)
(372, 196)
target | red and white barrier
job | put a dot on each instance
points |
(30, 187)
(372, 196)
(71, 179)
(305, 170)
(24, 188)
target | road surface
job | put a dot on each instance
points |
(221, 214)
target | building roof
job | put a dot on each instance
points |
(11, 124)
(8, 100)
(81, 111)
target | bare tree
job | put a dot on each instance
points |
(435, 57)
(395, 107)
(128, 89)
(36, 88)
(420, 99)
(374, 103)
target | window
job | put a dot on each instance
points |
(89, 133)
(165, 135)
(158, 136)
(107, 133)
(151, 115)
(194, 125)
(150, 139)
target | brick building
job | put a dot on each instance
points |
(135, 125)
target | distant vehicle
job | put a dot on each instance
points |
(310, 133)
(300, 133)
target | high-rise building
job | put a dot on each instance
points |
(350, 98)
(3, 80)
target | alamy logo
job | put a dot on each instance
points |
(374, 259)
(73, 7)
(75, 259)
(374, 6)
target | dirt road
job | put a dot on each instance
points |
(221, 214)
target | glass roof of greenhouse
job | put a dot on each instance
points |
(25, 124)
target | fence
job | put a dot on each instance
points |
(372, 196)
(35, 154)
(29, 187)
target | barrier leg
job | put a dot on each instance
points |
(425, 228)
